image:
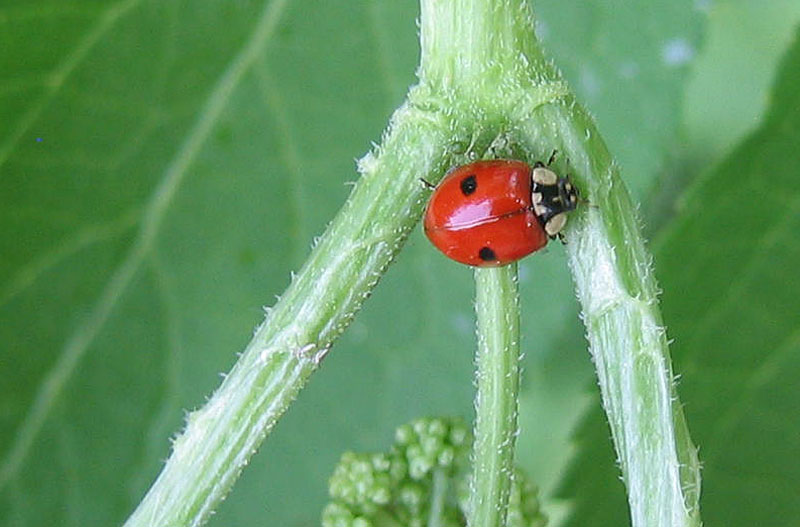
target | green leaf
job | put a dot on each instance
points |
(226, 151)
(746, 39)
(105, 340)
(628, 62)
(728, 268)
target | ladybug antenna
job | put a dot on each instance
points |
(552, 157)
(428, 184)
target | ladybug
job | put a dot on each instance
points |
(491, 213)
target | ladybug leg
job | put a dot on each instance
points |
(539, 164)
(428, 184)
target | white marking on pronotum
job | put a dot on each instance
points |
(544, 176)
(556, 223)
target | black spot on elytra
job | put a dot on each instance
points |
(468, 185)
(486, 254)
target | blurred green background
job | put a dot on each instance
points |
(122, 298)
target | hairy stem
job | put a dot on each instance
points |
(482, 77)
(321, 300)
(486, 53)
(617, 290)
(497, 359)
(438, 498)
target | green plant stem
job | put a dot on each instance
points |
(497, 360)
(438, 498)
(490, 59)
(617, 290)
(299, 330)
(467, 40)
(482, 77)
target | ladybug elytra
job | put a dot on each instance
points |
(491, 213)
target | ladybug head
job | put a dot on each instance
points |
(553, 197)
(568, 194)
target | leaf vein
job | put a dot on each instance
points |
(289, 154)
(769, 368)
(761, 254)
(30, 273)
(80, 340)
(62, 72)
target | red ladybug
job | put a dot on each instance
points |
(491, 213)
